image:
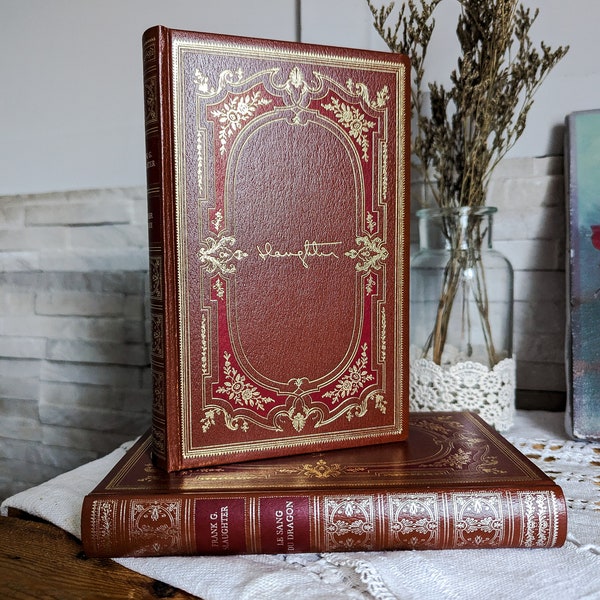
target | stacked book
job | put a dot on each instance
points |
(278, 234)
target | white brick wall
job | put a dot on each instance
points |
(73, 330)
(529, 229)
(530, 232)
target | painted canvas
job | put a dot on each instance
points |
(582, 178)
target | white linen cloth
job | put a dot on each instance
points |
(569, 573)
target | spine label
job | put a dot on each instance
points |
(221, 526)
(284, 524)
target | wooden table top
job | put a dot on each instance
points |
(39, 560)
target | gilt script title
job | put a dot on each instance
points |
(310, 250)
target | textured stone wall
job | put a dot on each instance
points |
(73, 330)
(529, 229)
(74, 375)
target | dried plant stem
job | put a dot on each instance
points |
(444, 310)
(465, 257)
(462, 131)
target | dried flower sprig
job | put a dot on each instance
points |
(467, 128)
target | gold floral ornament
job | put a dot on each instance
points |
(360, 410)
(219, 254)
(353, 381)
(354, 528)
(235, 113)
(231, 422)
(371, 222)
(296, 87)
(298, 420)
(238, 390)
(296, 79)
(461, 458)
(226, 77)
(371, 253)
(348, 519)
(217, 221)
(155, 277)
(321, 470)
(360, 89)
(219, 289)
(354, 121)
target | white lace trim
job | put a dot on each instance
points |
(465, 385)
(593, 548)
(369, 576)
(345, 573)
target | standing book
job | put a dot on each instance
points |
(582, 186)
(278, 214)
(455, 483)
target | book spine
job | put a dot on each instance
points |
(160, 207)
(277, 523)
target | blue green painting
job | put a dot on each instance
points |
(583, 269)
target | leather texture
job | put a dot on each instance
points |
(278, 189)
(455, 483)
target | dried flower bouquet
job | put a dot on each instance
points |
(462, 131)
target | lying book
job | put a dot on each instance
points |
(456, 483)
(278, 238)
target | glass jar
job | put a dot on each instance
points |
(461, 301)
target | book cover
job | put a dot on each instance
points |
(278, 215)
(455, 483)
(582, 179)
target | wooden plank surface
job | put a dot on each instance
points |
(39, 560)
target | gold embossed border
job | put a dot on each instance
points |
(393, 337)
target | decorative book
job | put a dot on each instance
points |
(582, 178)
(278, 215)
(455, 483)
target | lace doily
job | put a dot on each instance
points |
(536, 574)
(574, 465)
(465, 385)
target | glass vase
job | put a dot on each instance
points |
(461, 300)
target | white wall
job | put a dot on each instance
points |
(70, 75)
(71, 107)
(573, 85)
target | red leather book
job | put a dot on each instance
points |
(455, 483)
(278, 215)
